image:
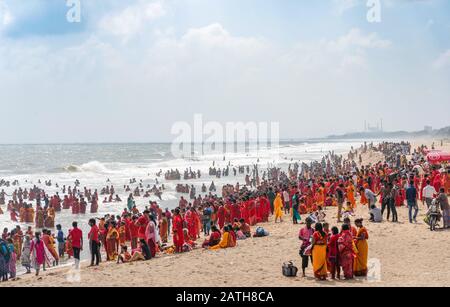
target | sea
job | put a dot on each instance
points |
(98, 165)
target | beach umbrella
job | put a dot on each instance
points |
(438, 157)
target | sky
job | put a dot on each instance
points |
(130, 69)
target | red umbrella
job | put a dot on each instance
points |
(438, 157)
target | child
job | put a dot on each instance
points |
(348, 211)
(245, 228)
(321, 214)
(124, 255)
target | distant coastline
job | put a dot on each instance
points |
(443, 133)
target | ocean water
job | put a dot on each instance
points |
(94, 164)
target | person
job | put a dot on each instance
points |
(214, 237)
(375, 214)
(178, 235)
(245, 228)
(305, 235)
(61, 241)
(319, 252)
(12, 259)
(94, 242)
(278, 208)
(25, 257)
(227, 239)
(295, 207)
(340, 196)
(360, 264)
(370, 196)
(442, 198)
(49, 242)
(130, 202)
(286, 199)
(4, 260)
(39, 256)
(124, 255)
(76, 239)
(428, 193)
(394, 191)
(151, 236)
(206, 220)
(163, 226)
(333, 254)
(145, 250)
(385, 199)
(411, 199)
(346, 251)
(141, 223)
(112, 242)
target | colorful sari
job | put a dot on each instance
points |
(319, 256)
(346, 253)
(112, 244)
(360, 264)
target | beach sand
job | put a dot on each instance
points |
(407, 254)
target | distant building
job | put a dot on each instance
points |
(369, 128)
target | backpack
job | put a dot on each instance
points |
(289, 269)
(260, 232)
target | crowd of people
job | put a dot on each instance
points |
(302, 190)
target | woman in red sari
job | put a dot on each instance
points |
(346, 252)
(177, 229)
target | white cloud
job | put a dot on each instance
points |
(341, 6)
(6, 18)
(356, 38)
(338, 55)
(132, 19)
(442, 61)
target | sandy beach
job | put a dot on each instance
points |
(409, 255)
(405, 254)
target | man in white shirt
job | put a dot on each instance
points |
(428, 193)
(375, 214)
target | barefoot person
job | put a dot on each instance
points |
(360, 266)
(305, 235)
(319, 252)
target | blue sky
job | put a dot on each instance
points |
(131, 68)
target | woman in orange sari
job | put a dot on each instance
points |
(163, 228)
(319, 252)
(226, 241)
(351, 194)
(112, 239)
(360, 264)
(363, 200)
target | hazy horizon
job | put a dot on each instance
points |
(130, 69)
